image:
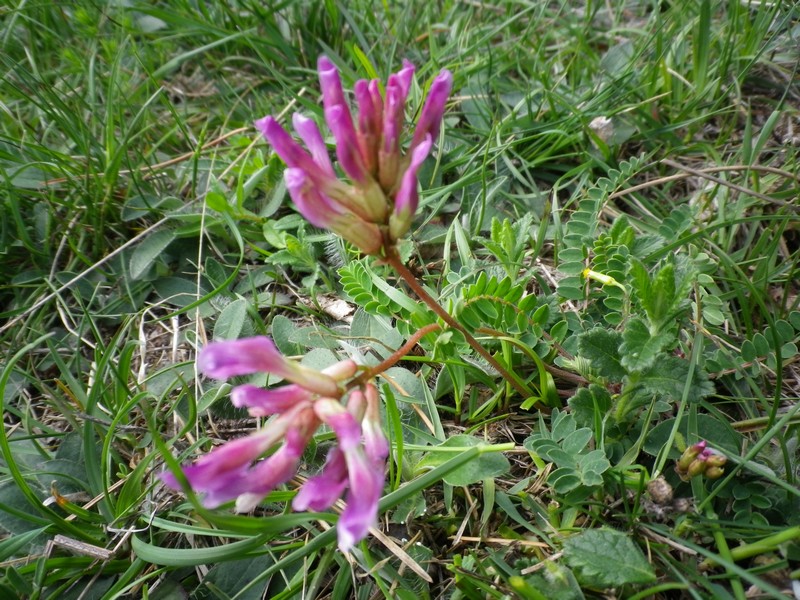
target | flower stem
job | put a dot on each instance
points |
(396, 355)
(393, 260)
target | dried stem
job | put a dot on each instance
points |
(393, 260)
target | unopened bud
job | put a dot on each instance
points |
(690, 454)
(714, 472)
(697, 467)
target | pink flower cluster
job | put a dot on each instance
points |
(377, 207)
(236, 471)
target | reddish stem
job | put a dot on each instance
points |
(396, 355)
(393, 260)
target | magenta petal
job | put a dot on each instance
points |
(376, 445)
(285, 146)
(321, 491)
(431, 116)
(318, 209)
(335, 416)
(261, 402)
(309, 132)
(280, 467)
(406, 199)
(347, 145)
(361, 513)
(329, 81)
(369, 115)
(218, 474)
(221, 360)
(405, 76)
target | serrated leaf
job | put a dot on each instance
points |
(601, 347)
(639, 349)
(662, 296)
(483, 466)
(668, 376)
(588, 402)
(148, 251)
(606, 558)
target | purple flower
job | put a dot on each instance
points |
(281, 466)
(261, 403)
(364, 480)
(321, 491)
(379, 204)
(224, 473)
(321, 211)
(375, 443)
(431, 117)
(365, 487)
(406, 200)
(237, 470)
(222, 360)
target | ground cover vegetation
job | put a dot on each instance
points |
(606, 406)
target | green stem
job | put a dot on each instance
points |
(393, 260)
(767, 544)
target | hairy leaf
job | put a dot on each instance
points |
(668, 376)
(588, 402)
(601, 347)
(639, 349)
(606, 558)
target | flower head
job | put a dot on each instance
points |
(378, 204)
(236, 470)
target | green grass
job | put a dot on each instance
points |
(142, 215)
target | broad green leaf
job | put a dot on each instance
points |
(716, 431)
(231, 320)
(639, 349)
(606, 558)
(576, 441)
(668, 376)
(148, 250)
(376, 332)
(562, 424)
(557, 582)
(231, 577)
(406, 386)
(484, 466)
(588, 403)
(282, 330)
(601, 347)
